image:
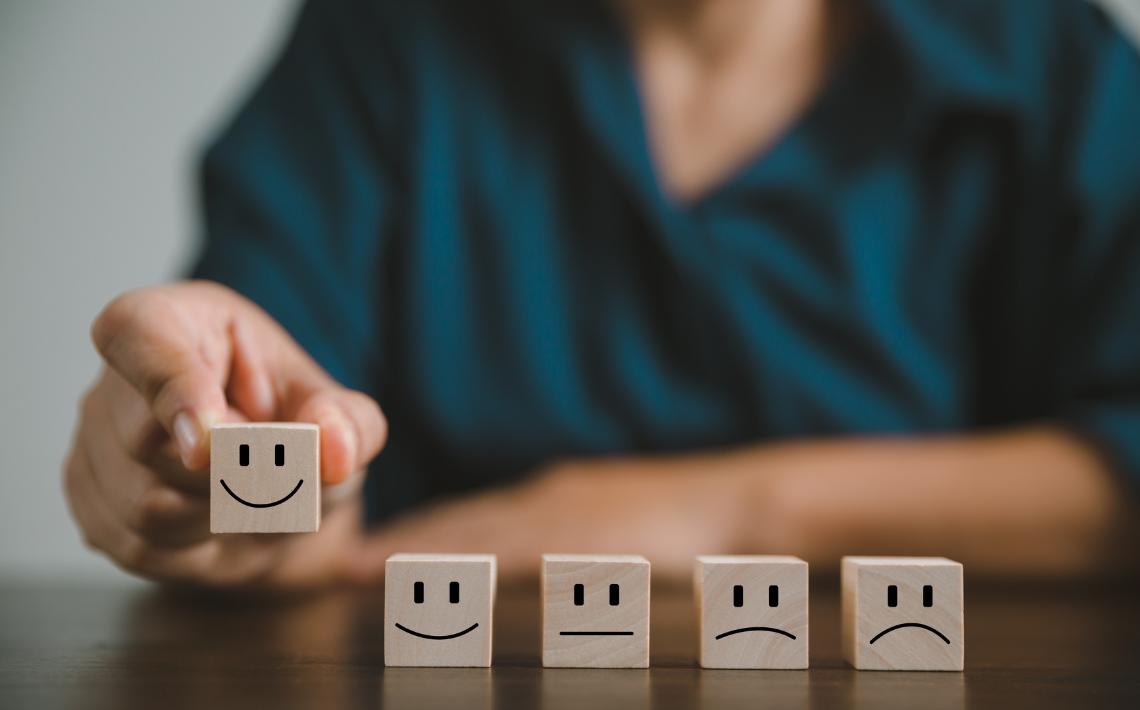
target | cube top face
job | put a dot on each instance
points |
(265, 478)
(749, 559)
(440, 557)
(595, 611)
(903, 613)
(752, 611)
(438, 609)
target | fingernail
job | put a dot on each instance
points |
(187, 434)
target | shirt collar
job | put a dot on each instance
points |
(960, 54)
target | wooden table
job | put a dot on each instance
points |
(1028, 646)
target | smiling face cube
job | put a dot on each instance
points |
(902, 613)
(265, 478)
(752, 611)
(438, 609)
(595, 611)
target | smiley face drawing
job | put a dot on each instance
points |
(903, 613)
(265, 478)
(752, 611)
(438, 609)
(595, 611)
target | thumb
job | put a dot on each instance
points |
(353, 429)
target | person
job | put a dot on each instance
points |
(816, 277)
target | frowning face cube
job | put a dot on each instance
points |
(903, 613)
(752, 611)
(595, 611)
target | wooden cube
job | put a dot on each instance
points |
(902, 613)
(595, 611)
(752, 611)
(265, 478)
(438, 609)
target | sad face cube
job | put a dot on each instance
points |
(752, 611)
(265, 478)
(902, 613)
(438, 609)
(595, 611)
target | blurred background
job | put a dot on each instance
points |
(104, 108)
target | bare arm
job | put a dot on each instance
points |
(1030, 502)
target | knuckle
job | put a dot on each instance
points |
(154, 511)
(136, 555)
(114, 319)
(162, 392)
(144, 440)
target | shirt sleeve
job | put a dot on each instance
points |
(1101, 343)
(298, 190)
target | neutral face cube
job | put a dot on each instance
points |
(265, 478)
(752, 611)
(902, 613)
(438, 609)
(595, 611)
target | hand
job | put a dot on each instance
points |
(179, 359)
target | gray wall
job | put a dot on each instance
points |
(104, 106)
(103, 109)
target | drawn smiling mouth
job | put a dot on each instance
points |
(755, 628)
(436, 638)
(262, 505)
(933, 630)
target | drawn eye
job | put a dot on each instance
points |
(579, 595)
(418, 592)
(279, 454)
(614, 595)
(773, 595)
(928, 595)
(243, 454)
(738, 595)
(892, 595)
(455, 592)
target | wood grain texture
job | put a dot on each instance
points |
(1032, 645)
(460, 619)
(715, 579)
(908, 636)
(570, 632)
(262, 481)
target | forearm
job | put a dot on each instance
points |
(1031, 502)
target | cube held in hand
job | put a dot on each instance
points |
(265, 478)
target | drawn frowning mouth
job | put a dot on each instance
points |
(261, 505)
(436, 638)
(931, 629)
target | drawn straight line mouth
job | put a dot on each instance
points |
(884, 632)
(595, 633)
(261, 505)
(755, 628)
(436, 638)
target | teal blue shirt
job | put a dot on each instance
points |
(451, 205)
